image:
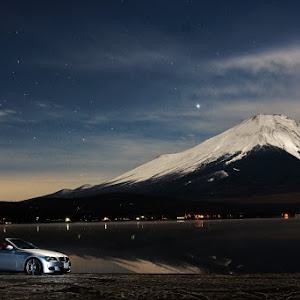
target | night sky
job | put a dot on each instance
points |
(92, 89)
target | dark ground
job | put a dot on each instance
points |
(136, 286)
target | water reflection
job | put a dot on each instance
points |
(208, 245)
(199, 224)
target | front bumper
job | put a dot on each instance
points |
(56, 267)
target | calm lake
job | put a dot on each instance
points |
(222, 246)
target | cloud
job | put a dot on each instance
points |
(282, 61)
(244, 109)
(42, 104)
(7, 113)
(226, 96)
(47, 104)
(112, 61)
(121, 51)
(137, 58)
(9, 117)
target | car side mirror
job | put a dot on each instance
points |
(9, 247)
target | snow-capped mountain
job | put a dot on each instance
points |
(261, 155)
(262, 130)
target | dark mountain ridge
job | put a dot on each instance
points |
(251, 169)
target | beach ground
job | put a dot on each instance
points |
(140, 286)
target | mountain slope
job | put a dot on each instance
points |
(260, 156)
(262, 130)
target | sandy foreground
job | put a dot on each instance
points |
(137, 286)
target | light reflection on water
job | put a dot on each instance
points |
(257, 245)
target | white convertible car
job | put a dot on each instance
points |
(17, 255)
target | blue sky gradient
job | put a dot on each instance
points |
(92, 89)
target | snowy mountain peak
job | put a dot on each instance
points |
(62, 192)
(84, 187)
(267, 123)
(258, 131)
(261, 130)
(268, 130)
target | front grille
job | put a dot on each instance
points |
(64, 259)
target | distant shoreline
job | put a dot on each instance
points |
(148, 221)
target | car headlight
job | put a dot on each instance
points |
(50, 258)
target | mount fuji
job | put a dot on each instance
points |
(258, 158)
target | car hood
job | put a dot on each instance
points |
(42, 252)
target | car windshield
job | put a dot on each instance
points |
(22, 244)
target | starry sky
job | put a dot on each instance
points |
(92, 89)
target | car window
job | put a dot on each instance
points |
(22, 244)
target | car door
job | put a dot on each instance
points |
(8, 260)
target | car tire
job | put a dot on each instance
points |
(33, 267)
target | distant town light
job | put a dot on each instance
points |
(197, 217)
(67, 219)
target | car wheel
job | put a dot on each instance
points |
(34, 267)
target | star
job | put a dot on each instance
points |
(198, 106)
